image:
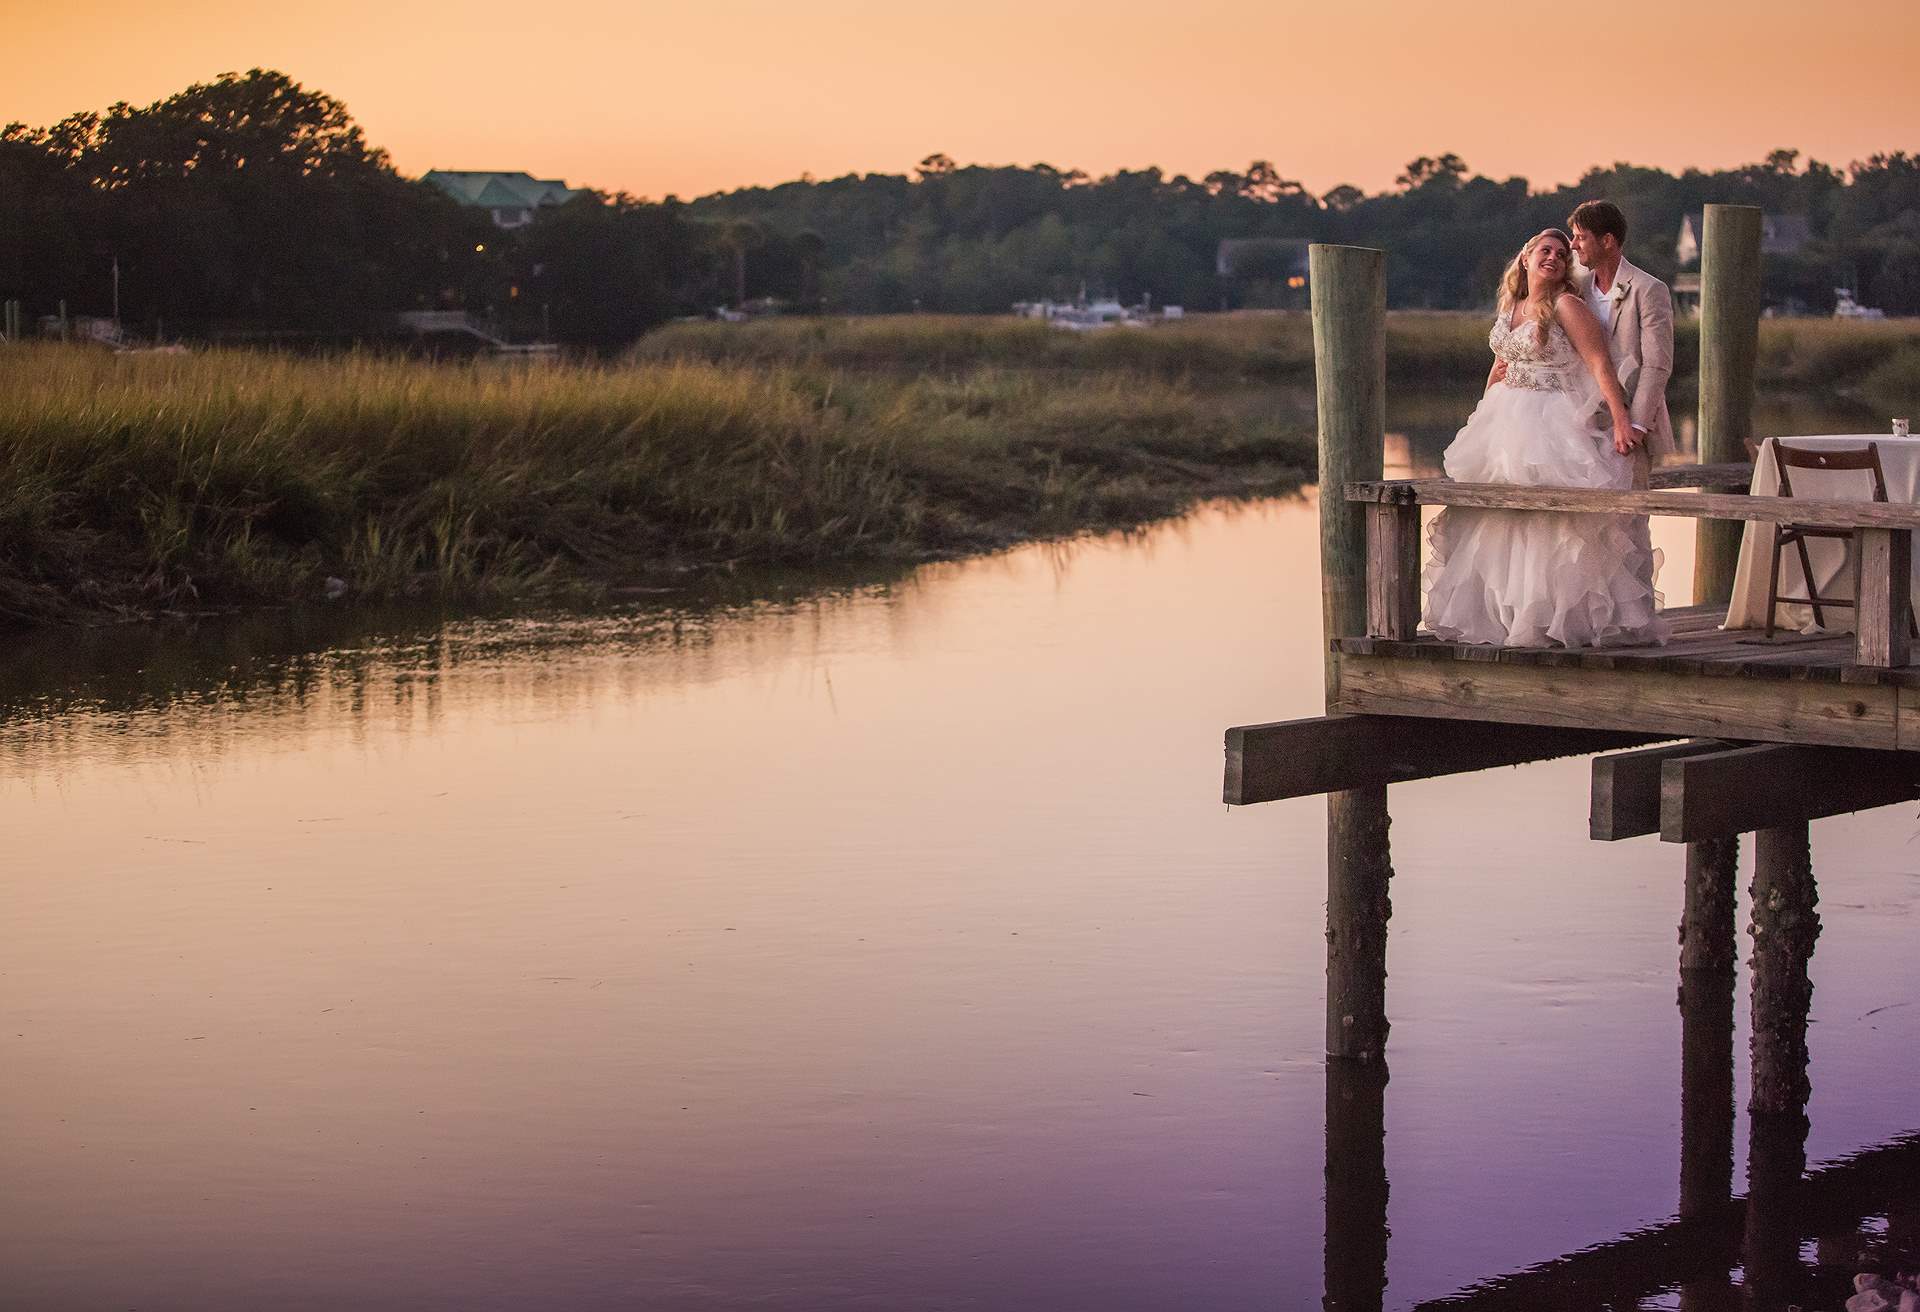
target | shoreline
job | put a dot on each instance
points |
(214, 482)
(138, 486)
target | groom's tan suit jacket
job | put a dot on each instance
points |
(1640, 340)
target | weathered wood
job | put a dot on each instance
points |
(1706, 916)
(1624, 797)
(1325, 754)
(1721, 794)
(1656, 703)
(1359, 905)
(1885, 603)
(1349, 296)
(1599, 501)
(1729, 346)
(1393, 571)
(1733, 475)
(1697, 646)
(1785, 926)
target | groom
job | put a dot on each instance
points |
(1636, 310)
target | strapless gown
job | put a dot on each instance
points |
(1536, 578)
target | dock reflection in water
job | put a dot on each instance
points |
(884, 946)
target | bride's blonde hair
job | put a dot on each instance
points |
(1514, 288)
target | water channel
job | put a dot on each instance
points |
(880, 943)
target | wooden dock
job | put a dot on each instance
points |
(1715, 735)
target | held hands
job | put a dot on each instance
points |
(1625, 436)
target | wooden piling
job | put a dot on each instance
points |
(1349, 297)
(1729, 346)
(1350, 385)
(1785, 926)
(1706, 921)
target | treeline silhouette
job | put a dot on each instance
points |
(252, 206)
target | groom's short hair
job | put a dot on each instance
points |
(1600, 217)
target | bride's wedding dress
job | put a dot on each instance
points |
(1526, 578)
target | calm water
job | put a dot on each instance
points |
(883, 948)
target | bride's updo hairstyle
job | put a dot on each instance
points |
(1513, 283)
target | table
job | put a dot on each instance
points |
(1832, 559)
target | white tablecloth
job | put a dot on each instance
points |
(1832, 559)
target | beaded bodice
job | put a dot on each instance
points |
(1550, 367)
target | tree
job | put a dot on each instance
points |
(1444, 173)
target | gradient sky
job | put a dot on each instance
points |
(689, 98)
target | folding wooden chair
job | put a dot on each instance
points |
(1785, 458)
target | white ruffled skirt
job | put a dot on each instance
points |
(1534, 578)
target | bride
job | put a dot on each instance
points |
(1526, 578)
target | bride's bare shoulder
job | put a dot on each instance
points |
(1571, 305)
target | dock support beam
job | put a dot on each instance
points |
(1706, 921)
(1785, 925)
(1729, 345)
(1349, 295)
(1728, 348)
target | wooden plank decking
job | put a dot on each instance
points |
(1705, 682)
(1698, 646)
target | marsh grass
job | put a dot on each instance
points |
(132, 484)
(1250, 347)
(1423, 348)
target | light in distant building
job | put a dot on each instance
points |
(1296, 282)
(479, 247)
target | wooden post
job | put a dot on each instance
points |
(1356, 1241)
(1729, 345)
(1706, 921)
(1785, 925)
(1349, 296)
(1881, 635)
(1393, 571)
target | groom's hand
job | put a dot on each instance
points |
(1499, 372)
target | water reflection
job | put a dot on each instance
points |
(878, 946)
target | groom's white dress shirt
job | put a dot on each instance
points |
(1602, 303)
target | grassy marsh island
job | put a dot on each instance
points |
(135, 484)
(138, 484)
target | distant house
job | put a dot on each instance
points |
(1780, 234)
(512, 197)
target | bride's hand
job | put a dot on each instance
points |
(1624, 438)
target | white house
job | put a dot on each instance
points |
(513, 197)
(1780, 234)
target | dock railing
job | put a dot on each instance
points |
(1882, 539)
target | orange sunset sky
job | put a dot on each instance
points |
(688, 98)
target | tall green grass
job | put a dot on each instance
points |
(130, 484)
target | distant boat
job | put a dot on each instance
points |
(1845, 307)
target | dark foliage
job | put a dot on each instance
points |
(250, 204)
